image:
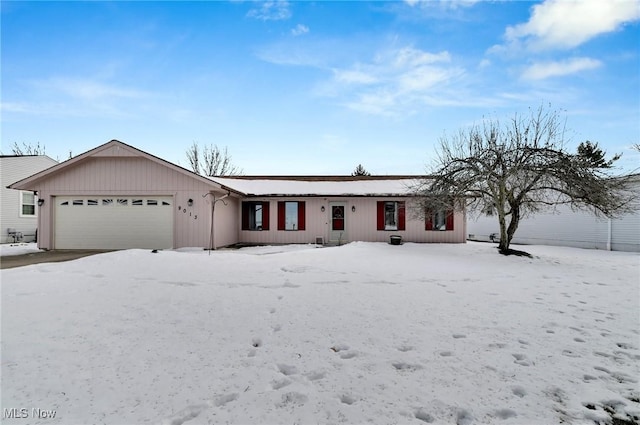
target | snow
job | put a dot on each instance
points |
(18, 248)
(362, 333)
(368, 187)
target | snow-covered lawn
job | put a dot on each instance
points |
(363, 333)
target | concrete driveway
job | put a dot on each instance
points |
(54, 256)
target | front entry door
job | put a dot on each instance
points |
(337, 222)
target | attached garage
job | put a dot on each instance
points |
(113, 222)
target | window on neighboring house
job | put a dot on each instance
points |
(27, 204)
(92, 202)
(439, 220)
(291, 215)
(255, 216)
(391, 215)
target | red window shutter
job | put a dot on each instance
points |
(449, 223)
(301, 215)
(380, 215)
(401, 215)
(265, 216)
(245, 216)
(281, 215)
(428, 220)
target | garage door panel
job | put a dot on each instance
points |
(117, 222)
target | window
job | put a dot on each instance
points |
(78, 202)
(291, 215)
(92, 202)
(255, 216)
(439, 220)
(137, 202)
(107, 202)
(152, 202)
(27, 204)
(123, 202)
(391, 215)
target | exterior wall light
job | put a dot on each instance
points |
(353, 208)
(40, 202)
(322, 208)
(190, 202)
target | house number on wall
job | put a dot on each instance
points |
(184, 210)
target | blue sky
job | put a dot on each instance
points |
(314, 87)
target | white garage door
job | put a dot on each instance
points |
(113, 222)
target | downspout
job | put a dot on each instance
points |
(609, 225)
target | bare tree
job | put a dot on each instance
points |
(518, 169)
(193, 155)
(28, 149)
(360, 171)
(211, 161)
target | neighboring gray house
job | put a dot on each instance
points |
(564, 227)
(18, 208)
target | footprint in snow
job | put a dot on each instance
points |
(221, 401)
(293, 399)
(518, 391)
(458, 336)
(339, 347)
(402, 366)
(505, 413)
(315, 375)
(521, 359)
(287, 369)
(347, 399)
(423, 416)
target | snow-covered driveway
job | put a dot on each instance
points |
(363, 333)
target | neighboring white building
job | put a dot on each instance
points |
(18, 208)
(564, 227)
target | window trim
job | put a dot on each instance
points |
(301, 216)
(449, 218)
(400, 216)
(23, 204)
(246, 215)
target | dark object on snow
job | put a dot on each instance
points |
(395, 239)
(515, 252)
(155, 251)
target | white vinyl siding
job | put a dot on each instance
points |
(113, 222)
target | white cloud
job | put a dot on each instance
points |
(395, 80)
(352, 76)
(562, 24)
(299, 30)
(451, 4)
(542, 70)
(87, 89)
(271, 11)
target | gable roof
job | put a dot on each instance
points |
(113, 148)
(248, 185)
(320, 185)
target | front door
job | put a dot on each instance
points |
(337, 222)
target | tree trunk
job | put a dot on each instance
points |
(509, 231)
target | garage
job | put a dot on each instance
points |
(113, 222)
